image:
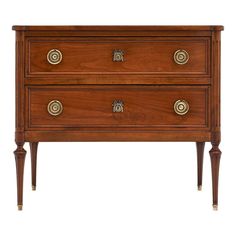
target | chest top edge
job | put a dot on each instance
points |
(118, 28)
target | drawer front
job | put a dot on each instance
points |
(168, 56)
(117, 106)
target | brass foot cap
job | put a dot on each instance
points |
(19, 207)
(199, 188)
(215, 207)
(33, 187)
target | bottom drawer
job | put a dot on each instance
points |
(117, 106)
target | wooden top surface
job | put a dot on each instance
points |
(118, 28)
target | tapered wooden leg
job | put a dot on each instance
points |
(215, 155)
(33, 152)
(200, 155)
(20, 161)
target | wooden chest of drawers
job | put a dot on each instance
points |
(117, 83)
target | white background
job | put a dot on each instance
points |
(117, 188)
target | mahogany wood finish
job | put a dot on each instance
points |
(146, 84)
(20, 162)
(33, 152)
(200, 155)
(215, 154)
(91, 106)
(93, 55)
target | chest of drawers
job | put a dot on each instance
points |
(117, 83)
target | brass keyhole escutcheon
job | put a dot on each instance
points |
(118, 55)
(118, 106)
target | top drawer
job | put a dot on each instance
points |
(118, 55)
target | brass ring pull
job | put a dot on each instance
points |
(118, 106)
(54, 56)
(118, 55)
(181, 107)
(181, 57)
(55, 108)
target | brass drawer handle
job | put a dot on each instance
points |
(181, 107)
(118, 106)
(54, 56)
(55, 108)
(181, 57)
(118, 55)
